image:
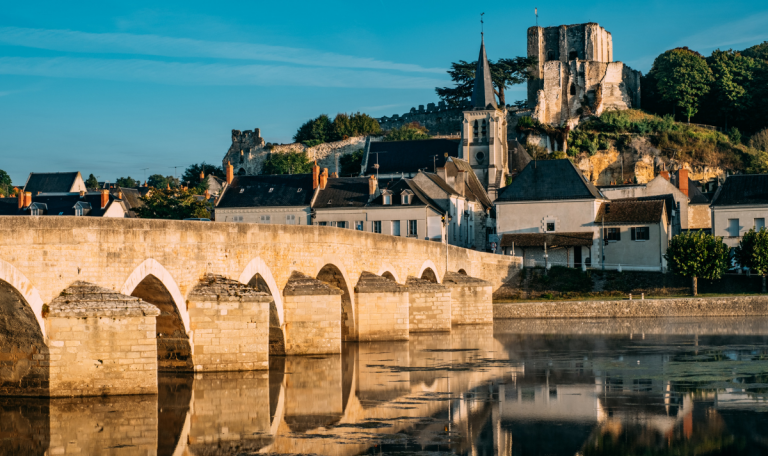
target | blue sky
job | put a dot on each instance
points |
(110, 88)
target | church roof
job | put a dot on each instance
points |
(482, 93)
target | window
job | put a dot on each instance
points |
(573, 89)
(322, 223)
(759, 223)
(340, 224)
(474, 130)
(733, 227)
(359, 225)
(237, 218)
(483, 131)
(387, 200)
(395, 227)
(573, 55)
(413, 228)
(78, 211)
(290, 219)
(550, 225)
(406, 198)
(376, 226)
(265, 219)
(612, 234)
(641, 233)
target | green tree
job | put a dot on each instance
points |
(349, 125)
(287, 163)
(504, 74)
(683, 78)
(697, 254)
(732, 74)
(758, 162)
(409, 131)
(752, 252)
(192, 173)
(91, 182)
(319, 129)
(759, 140)
(127, 182)
(161, 182)
(757, 52)
(351, 164)
(5, 183)
(174, 204)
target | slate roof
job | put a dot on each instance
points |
(482, 92)
(694, 194)
(544, 180)
(473, 183)
(410, 156)
(441, 183)
(131, 198)
(64, 204)
(518, 157)
(619, 212)
(738, 189)
(397, 187)
(254, 191)
(50, 182)
(9, 206)
(343, 192)
(552, 239)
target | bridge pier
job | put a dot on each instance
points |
(101, 343)
(471, 299)
(430, 306)
(312, 316)
(382, 308)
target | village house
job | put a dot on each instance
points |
(740, 205)
(269, 199)
(80, 204)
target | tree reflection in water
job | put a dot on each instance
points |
(519, 388)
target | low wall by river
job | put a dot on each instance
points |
(728, 306)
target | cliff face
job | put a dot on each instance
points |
(640, 161)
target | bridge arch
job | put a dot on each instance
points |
(332, 271)
(150, 267)
(428, 271)
(389, 272)
(14, 277)
(257, 266)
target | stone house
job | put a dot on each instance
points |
(80, 204)
(271, 199)
(400, 208)
(68, 182)
(550, 197)
(739, 205)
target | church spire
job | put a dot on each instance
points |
(482, 93)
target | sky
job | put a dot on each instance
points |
(112, 88)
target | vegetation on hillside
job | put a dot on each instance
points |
(174, 204)
(322, 129)
(287, 163)
(5, 183)
(191, 175)
(407, 132)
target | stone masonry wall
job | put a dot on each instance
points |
(231, 325)
(471, 299)
(312, 316)
(430, 306)
(382, 309)
(729, 306)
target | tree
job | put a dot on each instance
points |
(758, 162)
(174, 204)
(732, 74)
(160, 182)
(697, 254)
(346, 125)
(5, 183)
(319, 128)
(91, 182)
(192, 173)
(752, 252)
(287, 163)
(504, 74)
(127, 182)
(351, 164)
(409, 131)
(757, 52)
(683, 78)
(759, 140)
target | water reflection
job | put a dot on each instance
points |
(548, 387)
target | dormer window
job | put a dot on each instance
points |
(82, 208)
(387, 200)
(406, 197)
(37, 208)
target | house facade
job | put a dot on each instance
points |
(739, 205)
(282, 199)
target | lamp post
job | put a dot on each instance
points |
(446, 221)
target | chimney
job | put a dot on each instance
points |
(20, 196)
(104, 198)
(334, 175)
(207, 195)
(315, 175)
(120, 195)
(664, 174)
(145, 183)
(27, 199)
(324, 179)
(682, 180)
(230, 172)
(202, 176)
(82, 194)
(372, 184)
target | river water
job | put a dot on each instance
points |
(521, 387)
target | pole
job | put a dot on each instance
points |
(536, 11)
(602, 244)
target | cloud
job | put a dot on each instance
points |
(126, 43)
(750, 30)
(210, 73)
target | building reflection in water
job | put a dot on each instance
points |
(511, 390)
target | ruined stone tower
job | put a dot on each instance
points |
(576, 75)
(484, 131)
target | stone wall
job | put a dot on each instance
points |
(231, 324)
(312, 315)
(730, 306)
(382, 309)
(699, 216)
(430, 306)
(471, 299)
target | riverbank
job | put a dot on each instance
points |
(723, 306)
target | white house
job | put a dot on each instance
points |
(739, 205)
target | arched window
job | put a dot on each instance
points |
(474, 128)
(551, 55)
(484, 130)
(573, 55)
(573, 89)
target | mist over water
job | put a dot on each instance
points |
(519, 387)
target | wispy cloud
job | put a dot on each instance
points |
(750, 30)
(209, 73)
(156, 45)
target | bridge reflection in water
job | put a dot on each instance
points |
(471, 391)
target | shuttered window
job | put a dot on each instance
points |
(640, 233)
(612, 234)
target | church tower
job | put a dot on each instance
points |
(484, 131)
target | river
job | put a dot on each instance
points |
(521, 387)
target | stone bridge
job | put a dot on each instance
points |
(223, 297)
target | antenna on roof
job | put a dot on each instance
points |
(145, 174)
